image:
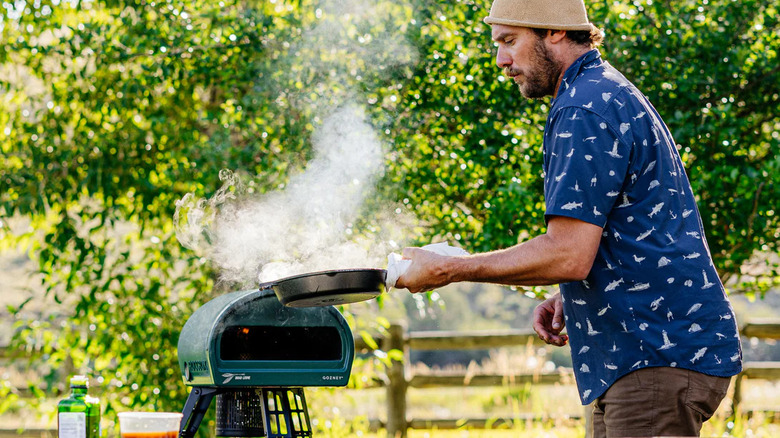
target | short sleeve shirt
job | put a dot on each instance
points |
(652, 297)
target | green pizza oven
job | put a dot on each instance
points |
(243, 342)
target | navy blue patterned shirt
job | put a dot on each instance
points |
(652, 297)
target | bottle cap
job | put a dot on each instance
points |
(79, 382)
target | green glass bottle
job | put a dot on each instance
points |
(93, 417)
(78, 416)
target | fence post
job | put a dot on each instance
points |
(737, 398)
(396, 389)
(588, 416)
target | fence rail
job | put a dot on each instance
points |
(440, 380)
(761, 328)
(400, 378)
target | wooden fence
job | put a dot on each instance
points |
(400, 378)
(762, 329)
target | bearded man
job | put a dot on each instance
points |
(654, 338)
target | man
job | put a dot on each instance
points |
(654, 339)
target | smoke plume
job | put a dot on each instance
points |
(308, 225)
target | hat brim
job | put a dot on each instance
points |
(516, 23)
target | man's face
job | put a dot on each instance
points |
(525, 58)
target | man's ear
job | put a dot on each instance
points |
(556, 36)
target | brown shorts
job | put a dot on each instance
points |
(657, 402)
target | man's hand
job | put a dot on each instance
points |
(548, 321)
(425, 273)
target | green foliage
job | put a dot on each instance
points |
(112, 111)
(711, 69)
(469, 155)
(469, 145)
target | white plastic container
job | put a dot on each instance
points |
(149, 424)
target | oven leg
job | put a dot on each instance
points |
(194, 409)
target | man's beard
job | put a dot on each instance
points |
(542, 77)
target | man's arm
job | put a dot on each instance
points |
(565, 253)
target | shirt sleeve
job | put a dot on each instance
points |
(587, 164)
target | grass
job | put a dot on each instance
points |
(331, 407)
(344, 413)
(532, 432)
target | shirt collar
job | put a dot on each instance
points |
(589, 59)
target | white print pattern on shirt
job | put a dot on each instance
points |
(639, 287)
(707, 284)
(693, 308)
(613, 285)
(625, 202)
(667, 344)
(624, 127)
(656, 209)
(614, 152)
(645, 235)
(591, 332)
(699, 354)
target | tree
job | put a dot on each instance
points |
(113, 111)
(469, 146)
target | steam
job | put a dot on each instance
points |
(308, 225)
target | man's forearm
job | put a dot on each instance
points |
(539, 261)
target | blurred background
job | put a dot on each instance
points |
(156, 154)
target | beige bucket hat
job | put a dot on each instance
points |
(541, 14)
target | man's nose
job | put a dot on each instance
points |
(503, 60)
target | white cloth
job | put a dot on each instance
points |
(396, 265)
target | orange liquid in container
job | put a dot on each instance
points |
(168, 434)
